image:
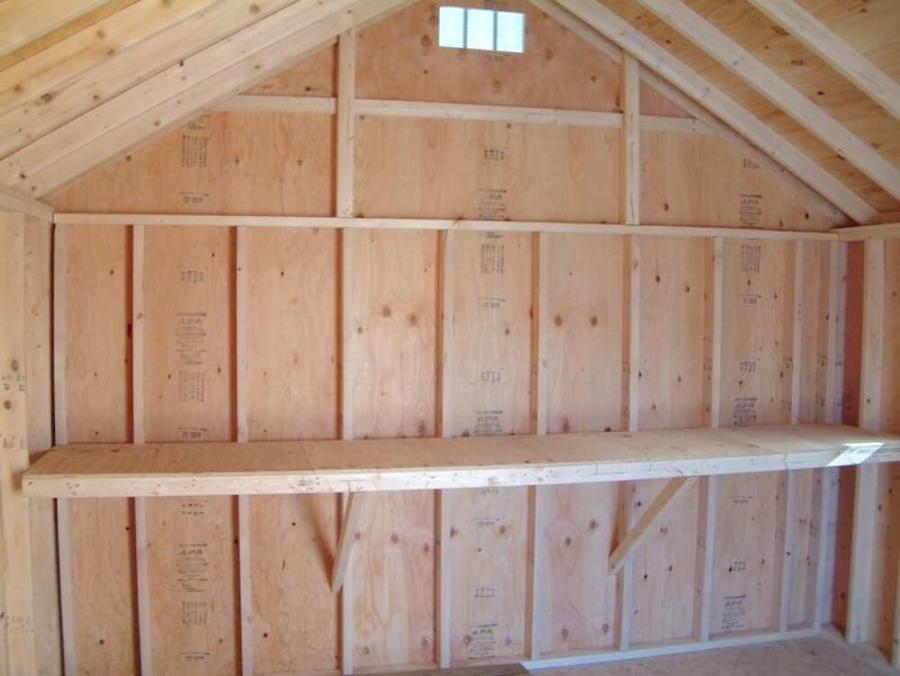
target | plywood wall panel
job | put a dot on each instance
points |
(850, 411)
(758, 307)
(584, 319)
(665, 587)
(188, 392)
(748, 553)
(393, 282)
(887, 518)
(674, 329)
(806, 527)
(393, 587)
(583, 322)
(219, 163)
(394, 297)
(400, 59)
(487, 368)
(654, 103)
(891, 378)
(486, 170)
(189, 333)
(488, 550)
(813, 360)
(487, 372)
(98, 395)
(806, 530)
(698, 179)
(98, 352)
(292, 364)
(853, 334)
(314, 76)
(579, 597)
(884, 559)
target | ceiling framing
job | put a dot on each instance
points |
(810, 84)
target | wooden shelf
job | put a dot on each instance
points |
(121, 470)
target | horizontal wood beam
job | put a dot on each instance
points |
(579, 659)
(352, 515)
(324, 105)
(707, 37)
(656, 58)
(648, 519)
(486, 113)
(351, 223)
(860, 233)
(253, 103)
(262, 468)
(824, 43)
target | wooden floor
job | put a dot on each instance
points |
(820, 656)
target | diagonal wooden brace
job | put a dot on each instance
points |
(635, 536)
(355, 504)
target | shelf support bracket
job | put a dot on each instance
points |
(355, 502)
(636, 535)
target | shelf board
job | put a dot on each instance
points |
(265, 468)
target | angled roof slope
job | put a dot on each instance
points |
(810, 83)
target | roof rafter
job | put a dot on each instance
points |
(704, 35)
(656, 58)
(819, 39)
(98, 43)
(691, 107)
(26, 20)
(12, 200)
(99, 81)
(183, 91)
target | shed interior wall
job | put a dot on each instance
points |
(444, 333)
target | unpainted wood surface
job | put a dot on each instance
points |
(86, 470)
(400, 59)
(487, 375)
(393, 365)
(39, 359)
(672, 392)
(18, 640)
(227, 163)
(98, 396)
(716, 185)
(188, 325)
(756, 389)
(293, 279)
(785, 55)
(283, 164)
(468, 169)
(887, 522)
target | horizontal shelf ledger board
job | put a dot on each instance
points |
(121, 470)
